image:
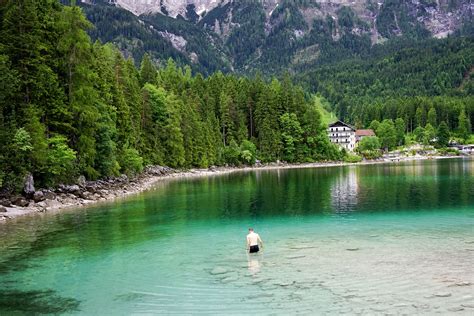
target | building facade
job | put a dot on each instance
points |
(362, 133)
(342, 134)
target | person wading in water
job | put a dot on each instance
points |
(253, 241)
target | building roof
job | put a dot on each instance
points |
(340, 123)
(365, 132)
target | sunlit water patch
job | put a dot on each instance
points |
(395, 238)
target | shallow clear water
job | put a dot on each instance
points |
(394, 238)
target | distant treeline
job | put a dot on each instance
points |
(70, 107)
(402, 80)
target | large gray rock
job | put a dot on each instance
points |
(81, 181)
(29, 185)
(20, 201)
(49, 195)
(3, 209)
(72, 189)
(87, 195)
(38, 196)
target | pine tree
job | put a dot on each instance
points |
(442, 134)
(292, 136)
(432, 117)
(420, 116)
(464, 125)
(400, 130)
(147, 71)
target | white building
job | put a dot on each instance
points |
(342, 134)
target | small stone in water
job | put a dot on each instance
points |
(464, 283)
(401, 305)
(443, 294)
(456, 309)
(352, 249)
(219, 270)
(294, 257)
(230, 279)
(284, 283)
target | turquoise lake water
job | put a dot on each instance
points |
(374, 239)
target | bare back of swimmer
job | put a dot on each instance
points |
(253, 241)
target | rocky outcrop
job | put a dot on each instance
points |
(173, 8)
(439, 17)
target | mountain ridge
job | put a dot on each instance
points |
(269, 35)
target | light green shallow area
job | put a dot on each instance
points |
(375, 239)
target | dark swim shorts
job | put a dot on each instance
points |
(254, 249)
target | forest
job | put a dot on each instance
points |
(426, 82)
(72, 107)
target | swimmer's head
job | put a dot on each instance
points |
(250, 229)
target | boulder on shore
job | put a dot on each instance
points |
(3, 209)
(20, 201)
(5, 202)
(81, 181)
(38, 196)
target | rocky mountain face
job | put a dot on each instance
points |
(440, 17)
(245, 34)
(172, 8)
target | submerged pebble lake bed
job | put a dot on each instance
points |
(393, 238)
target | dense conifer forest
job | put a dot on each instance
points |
(72, 107)
(403, 80)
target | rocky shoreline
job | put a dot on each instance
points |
(90, 192)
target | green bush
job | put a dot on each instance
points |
(369, 147)
(60, 159)
(232, 154)
(248, 152)
(371, 154)
(351, 158)
(130, 161)
(448, 152)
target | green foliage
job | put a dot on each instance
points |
(369, 143)
(232, 154)
(419, 82)
(464, 125)
(71, 107)
(60, 159)
(351, 158)
(147, 70)
(449, 152)
(442, 135)
(432, 117)
(400, 128)
(22, 141)
(429, 135)
(394, 19)
(292, 135)
(248, 152)
(374, 125)
(387, 134)
(130, 161)
(369, 147)
(419, 134)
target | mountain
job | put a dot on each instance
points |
(172, 8)
(268, 35)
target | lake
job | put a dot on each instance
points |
(372, 239)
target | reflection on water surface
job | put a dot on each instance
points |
(394, 238)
